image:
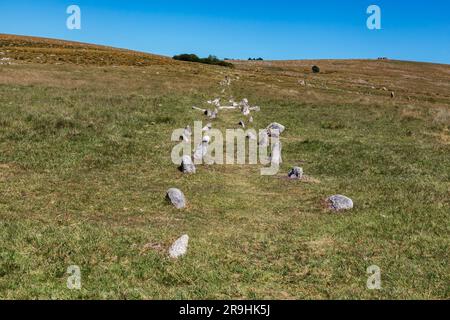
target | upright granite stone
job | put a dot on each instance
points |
(176, 197)
(276, 126)
(179, 247)
(187, 166)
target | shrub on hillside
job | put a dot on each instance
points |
(209, 60)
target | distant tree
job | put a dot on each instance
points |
(211, 59)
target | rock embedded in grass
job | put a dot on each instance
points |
(339, 202)
(179, 247)
(295, 173)
(276, 126)
(187, 166)
(176, 197)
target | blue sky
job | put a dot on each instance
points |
(301, 29)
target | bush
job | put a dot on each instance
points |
(210, 60)
(315, 69)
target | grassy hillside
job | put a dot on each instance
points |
(85, 164)
(50, 51)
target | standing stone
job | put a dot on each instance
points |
(214, 114)
(276, 126)
(202, 149)
(187, 133)
(276, 153)
(263, 138)
(176, 197)
(179, 247)
(339, 202)
(187, 166)
(295, 173)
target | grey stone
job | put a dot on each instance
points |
(263, 138)
(176, 197)
(276, 126)
(179, 247)
(202, 149)
(242, 124)
(339, 202)
(276, 153)
(251, 136)
(295, 173)
(187, 166)
(187, 133)
(207, 127)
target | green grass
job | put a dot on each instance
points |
(84, 171)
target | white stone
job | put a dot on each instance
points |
(339, 202)
(187, 166)
(176, 197)
(179, 247)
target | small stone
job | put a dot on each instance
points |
(214, 114)
(176, 197)
(276, 154)
(187, 133)
(251, 136)
(179, 247)
(340, 202)
(187, 166)
(295, 173)
(202, 149)
(392, 94)
(242, 124)
(264, 138)
(207, 127)
(250, 120)
(276, 126)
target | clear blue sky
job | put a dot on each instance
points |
(295, 29)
